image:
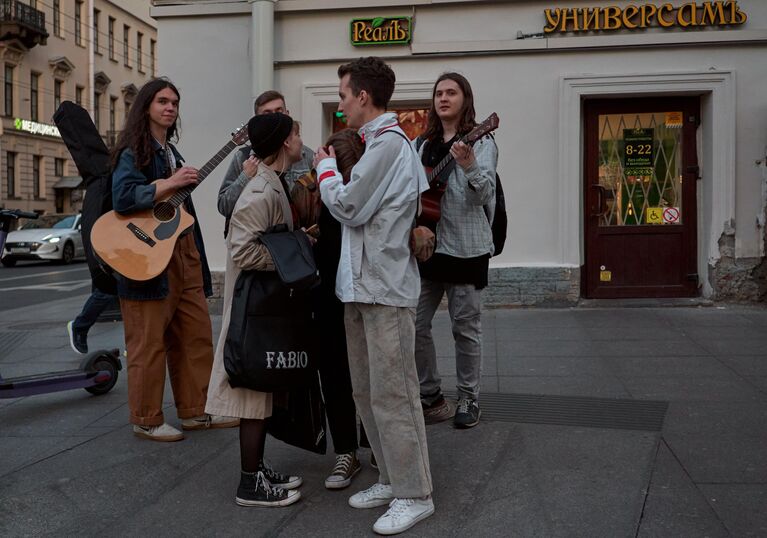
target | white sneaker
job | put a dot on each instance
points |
(403, 514)
(203, 422)
(164, 432)
(376, 495)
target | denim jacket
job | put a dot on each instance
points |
(132, 191)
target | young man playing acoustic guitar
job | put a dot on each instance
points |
(165, 318)
(464, 245)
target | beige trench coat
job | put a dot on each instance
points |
(262, 204)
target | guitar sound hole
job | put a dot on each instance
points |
(164, 211)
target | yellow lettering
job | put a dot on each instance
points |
(690, 8)
(710, 16)
(570, 15)
(590, 17)
(737, 16)
(647, 12)
(668, 8)
(629, 13)
(553, 23)
(399, 33)
(612, 18)
(378, 34)
(358, 27)
(367, 33)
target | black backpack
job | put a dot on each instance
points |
(91, 157)
(500, 218)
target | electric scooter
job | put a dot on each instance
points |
(97, 372)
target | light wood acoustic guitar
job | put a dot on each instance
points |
(140, 245)
(432, 199)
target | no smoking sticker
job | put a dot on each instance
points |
(671, 215)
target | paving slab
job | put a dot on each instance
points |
(675, 506)
(71, 466)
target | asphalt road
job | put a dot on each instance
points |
(31, 283)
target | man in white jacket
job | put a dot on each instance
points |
(378, 280)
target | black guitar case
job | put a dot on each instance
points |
(91, 157)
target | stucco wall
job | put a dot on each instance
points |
(519, 79)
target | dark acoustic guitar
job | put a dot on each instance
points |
(139, 246)
(432, 199)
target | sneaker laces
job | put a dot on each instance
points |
(398, 507)
(463, 405)
(271, 491)
(374, 490)
(343, 464)
(271, 475)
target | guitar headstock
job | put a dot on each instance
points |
(487, 126)
(240, 136)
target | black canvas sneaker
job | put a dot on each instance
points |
(468, 413)
(347, 465)
(255, 490)
(78, 340)
(279, 480)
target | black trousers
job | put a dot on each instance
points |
(334, 369)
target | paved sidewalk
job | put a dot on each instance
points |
(69, 464)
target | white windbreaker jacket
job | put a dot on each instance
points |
(376, 209)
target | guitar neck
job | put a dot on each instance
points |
(180, 195)
(441, 165)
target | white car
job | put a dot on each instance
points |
(49, 237)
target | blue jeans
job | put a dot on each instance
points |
(92, 309)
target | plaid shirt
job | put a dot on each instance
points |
(468, 206)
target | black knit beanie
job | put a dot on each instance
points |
(267, 132)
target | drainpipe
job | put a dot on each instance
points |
(262, 46)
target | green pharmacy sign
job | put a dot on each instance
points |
(381, 31)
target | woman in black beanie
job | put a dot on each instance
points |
(276, 142)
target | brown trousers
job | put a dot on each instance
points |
(175, 331)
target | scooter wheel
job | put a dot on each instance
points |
(106, 386)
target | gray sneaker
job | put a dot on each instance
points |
(164, 433)
(376, 495)
(403, 514)
(468, 413)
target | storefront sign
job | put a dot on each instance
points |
(381, 31)
(654, 215)
(29, 126)
(638, 153)
(632, 17)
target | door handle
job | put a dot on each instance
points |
(602, 203)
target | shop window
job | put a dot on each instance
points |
(96, 16)
(126, 45)
(57, 84)
(79, 23)
(34, 94)
(57, 18)
(139, 53)
(152, 52)
(97, 111)
(111, 43)
(413, 120)
(37, 164)
(10, 173)
(8, 90)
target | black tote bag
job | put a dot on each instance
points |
(271, 342)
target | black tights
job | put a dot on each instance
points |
(252, 440)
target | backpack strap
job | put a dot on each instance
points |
(418, 195)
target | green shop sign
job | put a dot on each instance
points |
(381, 31)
